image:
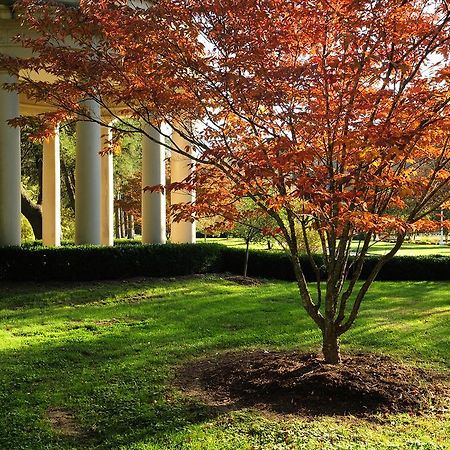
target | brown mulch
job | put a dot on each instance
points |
(300, 383)
(244, 281)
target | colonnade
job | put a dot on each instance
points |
(94, 195)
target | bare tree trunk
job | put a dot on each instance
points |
(130, 226)
(38, 164)
(117, 224)
(122, 224)
(125, 224)
(330, 345)
(69, 185)
(33, 213)
(247, 244)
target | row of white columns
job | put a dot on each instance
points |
(94, 195)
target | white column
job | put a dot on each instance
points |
(153, 203)
(51, 191)
(9, 166)
(107, 191)
(181, 168)
(87, 178)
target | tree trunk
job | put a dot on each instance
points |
(130, 226)
(69, 185)
(247, 244)
(117, 218)
(330, 347)
(33, 213)
(125, 224)
(39, 169)
(123, 229)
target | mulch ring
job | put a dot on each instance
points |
(300, 383)
(244, 281)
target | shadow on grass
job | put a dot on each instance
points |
(110, 365)
(90, 350)
(115, 387)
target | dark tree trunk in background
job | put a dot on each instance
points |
(122, 224)
(33, 213)
(247, 245)
(125, 224)
(38, 162)
(69, 182)
(130, 226)
(117, 222)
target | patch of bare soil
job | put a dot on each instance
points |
(299, 383)
(244, 281)
(64, 422)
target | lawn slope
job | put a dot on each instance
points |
(90, 365)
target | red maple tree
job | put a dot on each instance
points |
(327, 114)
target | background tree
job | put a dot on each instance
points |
(31, 161)
(252, 225)
(31, 191)
(127, 185)
(330, 114)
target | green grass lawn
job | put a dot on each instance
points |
(378, 248)
(240, 243)
(408, 249)
(104, 354)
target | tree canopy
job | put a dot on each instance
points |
(327, 114)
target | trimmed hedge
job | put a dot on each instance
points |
(73, 263)
(265, 264)
(97, 263)
(278, 265)
(411, 268)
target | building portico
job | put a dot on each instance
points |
(94, 195)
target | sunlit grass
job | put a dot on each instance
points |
(377, 248)
(107, 351)
(409, 249)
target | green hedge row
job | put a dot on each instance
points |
(97, 263)
(278, 265)
(36, 263)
